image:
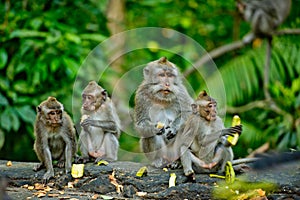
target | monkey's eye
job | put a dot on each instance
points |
(170, 74)
(161, 75)
(52, 113)
(58, 112)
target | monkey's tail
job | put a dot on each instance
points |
(273, 160)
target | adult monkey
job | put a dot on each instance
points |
(100, 125)
(162, 104)
(264, 16)
(203, 139)
(55, 137)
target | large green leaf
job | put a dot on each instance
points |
(3, 58)
(26, 113)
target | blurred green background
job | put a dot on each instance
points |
(44, 44)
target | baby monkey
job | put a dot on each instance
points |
(204, 145)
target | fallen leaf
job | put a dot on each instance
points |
(113, 181)
(261, 192)
(48, 189)
(30, 187)
(25, 186)
(95, 196)
(141, 194)
(53, 195)
(105, 197)
(70, 185)
(39, 186)
(41, 195)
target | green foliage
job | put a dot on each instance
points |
(243, 77)
(42, 46)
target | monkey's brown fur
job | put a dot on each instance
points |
(55, 137)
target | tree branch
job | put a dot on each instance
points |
(219, 51)
(214, 54)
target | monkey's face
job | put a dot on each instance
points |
(93, 96)
(208, 111)
(89, 102)
(164, 87)
(54, 117)
(92, 101)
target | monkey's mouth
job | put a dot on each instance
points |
(56, 124)
(165, 91)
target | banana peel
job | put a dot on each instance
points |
(77, 170)
(142, 172)
(229, 174)
(172, 180)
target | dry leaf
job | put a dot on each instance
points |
(113, 181)
(141, 194)
(48, 189)
(105, 197)
(95, 196)
(25, 186)
(53, 195)
(41, 195)
(70, 185)
(39, 186)
(30, 187)
(261, 192)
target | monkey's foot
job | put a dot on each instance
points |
(38, 167)
(190, 174)
(47, 176)
(160, 163)
(175, 165)
(210, 165)
(81, 160)
(60, 164)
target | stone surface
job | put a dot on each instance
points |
(119, 180)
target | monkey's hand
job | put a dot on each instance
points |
(161, 131)
(161, 128)
(229, 131)
(89, 122)
(170, 132)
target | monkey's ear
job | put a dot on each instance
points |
(163, 60)
(194, 108)
(146, 73)
(104, 95)
(202, 95)
(38, 109)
